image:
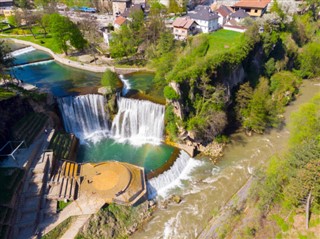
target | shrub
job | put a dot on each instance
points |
(170, 93)
(110, 79)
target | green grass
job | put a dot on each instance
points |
(40, 39)
(61, 144)
(5, 94)
(28, 127)
(223, 40)
(62, 205)
(59, 230)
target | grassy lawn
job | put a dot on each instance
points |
(62, 205)
(24, 34)
(59, 230)
(222, 40)
(5, 94)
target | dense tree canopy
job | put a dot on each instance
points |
(5, 60)
(65, 32)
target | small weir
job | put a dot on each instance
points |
(22, 51)
(182, 167)
(35, 62)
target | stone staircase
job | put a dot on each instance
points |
(64, 185)
(32, 202)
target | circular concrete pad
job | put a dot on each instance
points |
(110, 176)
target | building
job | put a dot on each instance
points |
(119, 21)
(233, 25)
(133, 8)
(5, 5)
(206, 19)
(255, 8)
(119, 6)
(184, 27)
(239, 15)
(224, 13)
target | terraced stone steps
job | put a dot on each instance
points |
(29, 127)
(64, 183)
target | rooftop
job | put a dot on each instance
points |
(241, 13)
(224, 10)
(183, 22)
(120, 20)
(203, 13)
(252, 3)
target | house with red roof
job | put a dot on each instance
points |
(119, 21)
(255, 8)
(184, 27)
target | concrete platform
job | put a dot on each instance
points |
(113, 181)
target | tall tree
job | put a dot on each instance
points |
(64, 31)
(6, 60)
(260, 112)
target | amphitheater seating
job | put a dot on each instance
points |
(63, 184)
(62, 144)
(29, 127)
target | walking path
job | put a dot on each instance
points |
(76, 64)
(83, 206)
(75, 227)
(31, 199)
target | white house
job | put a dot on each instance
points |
(223, 13)
(206, 19)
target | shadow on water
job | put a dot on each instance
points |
(136, 94)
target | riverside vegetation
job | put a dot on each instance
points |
(194, 75)
(284, 198)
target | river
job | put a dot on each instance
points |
(210, 186)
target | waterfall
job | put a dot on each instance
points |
(126, 85)
(22, 51)
(138, 122)
(84, 115)
(182, 167)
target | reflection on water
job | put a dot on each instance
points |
(141, 85)
(149, 156)
(211, 186)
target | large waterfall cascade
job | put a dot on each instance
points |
(84, 115)
(138, 121)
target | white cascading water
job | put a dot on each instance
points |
(163, 183)
(138, 121)
(22, 51)
(126, 85)
(85, 116)
(34, 63)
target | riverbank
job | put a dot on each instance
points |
(212, 189)
(79, 65)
